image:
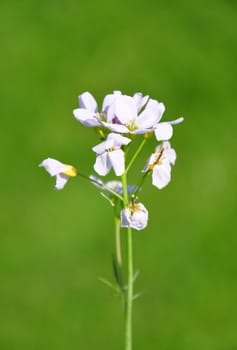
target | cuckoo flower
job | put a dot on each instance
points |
(61, 171)
(87, 114)
(135, 215)
(137, 115)
(109, 155)
(160, 164)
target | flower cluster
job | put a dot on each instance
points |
(121, 119)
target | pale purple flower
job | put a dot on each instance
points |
(61, 171)
(137, 115)
(87, 114)
(160, 164)
(110, 155)
(135, 215)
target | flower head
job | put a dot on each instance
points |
(120, 113)
(138, 115)
(135, 215)
(109, 155)
(160, 164)
(87, 114)
(61, 171)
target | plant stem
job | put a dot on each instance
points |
(136, 154)
(118, 242)
(129, 299)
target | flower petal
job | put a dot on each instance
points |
(161, 175)
(151, 114)
(118, 140)
(116, 127)
(87, 101)
(102, 164)
(117, 161)
(135, 217)
(52, 166)
(86, 117)
(163, 131)
(125, 108)
(61, 181)
(140, 100)
(176, 121)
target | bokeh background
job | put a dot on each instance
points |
(54, 245)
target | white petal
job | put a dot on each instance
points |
(102, 164)
(87, 101)
(86, 117)
(117, 161)
(103, 146)
(161, 175)
(125, 217)
(140, 100)
(125, 108)
(116, 127)
(118, 140)
(108, 100)
(151, 114)
(136, 219)
(52, 166)
(163, 131)
(176, 121)
(61, 181)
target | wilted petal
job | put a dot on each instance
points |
(163, 131)
(117, 161)
(102, 164)
(87, 101)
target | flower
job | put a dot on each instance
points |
(160, 164)
(60, 170)
(87, 114)
(135, 114)
(109, 155)
(135, 215)
(110, 188)
(138, 115)
(113, 185)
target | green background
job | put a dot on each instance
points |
(54, 245)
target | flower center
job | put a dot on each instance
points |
(70, 171)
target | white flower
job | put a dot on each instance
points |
(135, 215)
(61, 171)
(125, 114)
(87, 114)
(160, 164)
(137, 115)
(109, 155)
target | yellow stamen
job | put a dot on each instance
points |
(70, 171)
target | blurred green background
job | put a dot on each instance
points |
(54, 245)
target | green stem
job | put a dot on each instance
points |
(118, 242)
(135, 155)
(101, 185)
(129, 299)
